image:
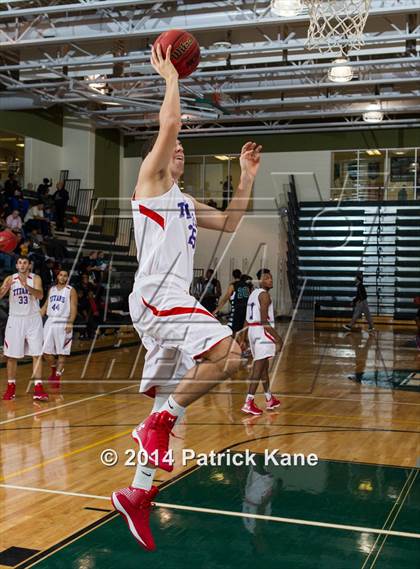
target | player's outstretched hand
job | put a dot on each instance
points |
(250, 158)
(163, 65)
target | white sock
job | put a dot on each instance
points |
(143, 477)
(59, 373)
(159, 402)
(11, 381)
(268, 395)
(38, 381)
(172, 407)
(249, 397)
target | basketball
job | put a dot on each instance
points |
(8, 241)
(185, 54)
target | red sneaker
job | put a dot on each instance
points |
(152, 437)
(250, 408)
(273, 403)
(10, 392)
(54, 381)
(134, 505)
(39, 392)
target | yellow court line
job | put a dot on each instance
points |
(358, 417)
(66, 455)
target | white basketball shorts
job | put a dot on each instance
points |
(163, 367)
(261, 342)
(23, 336)
(174, 318)
(56, 340)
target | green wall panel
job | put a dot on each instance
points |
(331, 140)
(107, 162)
(46, 125)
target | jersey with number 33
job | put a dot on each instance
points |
(21, 303)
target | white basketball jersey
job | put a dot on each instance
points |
(253, 309)
(21, 303)
(165, 231)
(59, 302)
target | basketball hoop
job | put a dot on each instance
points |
(336, 25)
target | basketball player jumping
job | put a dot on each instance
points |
(263, 339)
(23, 334)
(165, 227)
(61, 309)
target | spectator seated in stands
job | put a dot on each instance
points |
(20, 203)
(14, 221)
(101, 266)
(90, 307)
(35, 219)
(36, 249)
(11, 185)
(88, 265)
(56, 248)
(43, 189)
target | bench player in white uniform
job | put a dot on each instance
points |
(263, 339)
(23, 335)
(61, 309)
(165, 228)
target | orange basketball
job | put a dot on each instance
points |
(8, 241)
(185, 54)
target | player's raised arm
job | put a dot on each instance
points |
(153, 171)
(5, 287)
(228, 220)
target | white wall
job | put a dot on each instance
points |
(78, 151)
(129, 170)
(42, 160)
(276, 167)
(259, 242)
(76, 155)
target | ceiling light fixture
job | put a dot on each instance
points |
(97, 83)
(286, 8)
(221, 45)
(340, 72)
(373, 114)
(223, 157)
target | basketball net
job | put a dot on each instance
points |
(336, 25)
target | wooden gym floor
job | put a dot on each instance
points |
(353, 399)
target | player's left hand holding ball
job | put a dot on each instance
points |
(250, 158)
(163, 65)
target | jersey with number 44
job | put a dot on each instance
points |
(21, 303)
(59, 302)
